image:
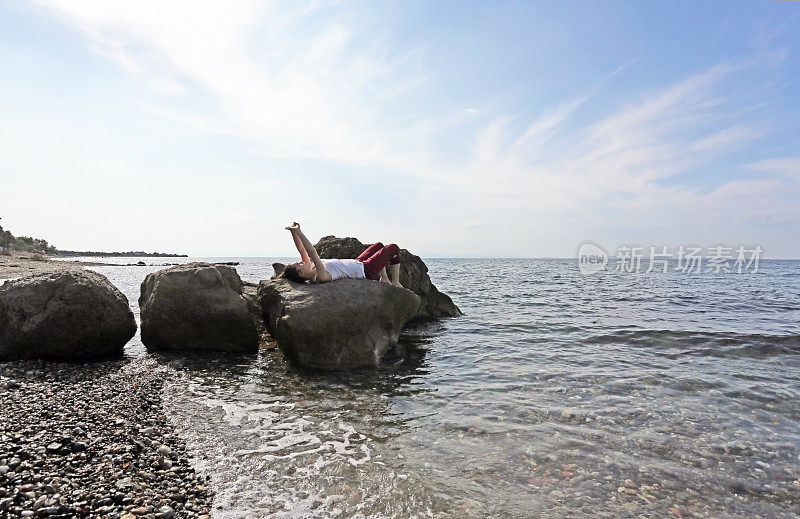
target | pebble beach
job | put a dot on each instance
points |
(16, 264)
(92, 440)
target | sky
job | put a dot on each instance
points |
(490, 129)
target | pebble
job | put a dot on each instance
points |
(569, 414)
(54, 464)
(124, 483)
(39, 503)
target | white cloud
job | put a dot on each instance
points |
(621, 158)
(291, 86)
(787, 166)
(303, 80)
(728, 138)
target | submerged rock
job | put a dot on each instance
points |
(345, 324)
(66, 315)
(413, 276)
(197, 307)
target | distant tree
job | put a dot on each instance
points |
(6, 238)
(24, 243)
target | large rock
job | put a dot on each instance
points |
(344, 324)
(67, 315)
(413, 276)
(197, 307)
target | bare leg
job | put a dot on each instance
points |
(394, 273)
(384, 277)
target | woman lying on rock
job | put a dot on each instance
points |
(371, 264)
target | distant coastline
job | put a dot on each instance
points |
(129, 254)
(26, 244)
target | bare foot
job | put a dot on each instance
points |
(397, 284)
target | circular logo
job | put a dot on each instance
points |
(591, 258)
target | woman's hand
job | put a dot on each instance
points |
(294, 227)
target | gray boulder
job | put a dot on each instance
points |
(198, 307)
(413, 276)
(68, 315)
(344, 324)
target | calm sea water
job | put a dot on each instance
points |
(559, 395)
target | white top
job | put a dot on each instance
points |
(344, 268)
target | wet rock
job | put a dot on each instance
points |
(250, 294)
(346, 324)
(66, 315)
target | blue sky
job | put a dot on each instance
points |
(451, 128)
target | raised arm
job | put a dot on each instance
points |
(299, 243)
(322, 274)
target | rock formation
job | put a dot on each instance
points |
(66, 315)
(413, 275)
(344, 324)
(198, 307)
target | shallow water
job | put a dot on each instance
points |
(669, 395)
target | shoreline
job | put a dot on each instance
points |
(90, 439)
(18, 264)
(93, 439)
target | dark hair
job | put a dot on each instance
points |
(292, 273)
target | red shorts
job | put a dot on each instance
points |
(377, 256)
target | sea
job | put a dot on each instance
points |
(556, 394)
